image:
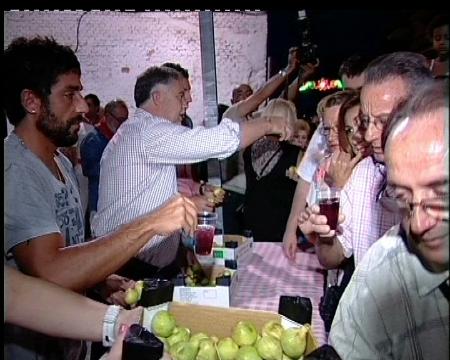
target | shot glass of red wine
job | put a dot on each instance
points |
(204, 234)
(328, 200)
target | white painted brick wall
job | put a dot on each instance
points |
(115, 47)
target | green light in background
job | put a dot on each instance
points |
(322, 85)
(309, 85)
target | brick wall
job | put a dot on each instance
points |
(115, 47)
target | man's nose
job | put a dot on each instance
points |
(421, 221)
(371, 133)
(81, 106)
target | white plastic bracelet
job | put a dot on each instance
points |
(109, 322)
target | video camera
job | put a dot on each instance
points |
(308, 50)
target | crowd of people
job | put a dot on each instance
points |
(96, 199)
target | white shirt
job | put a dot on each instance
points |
(365, 219)
(392, 307)
(138, 174)
(315, 152)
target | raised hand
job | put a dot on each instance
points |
(281, 126)
(314, 225)
(176, 214)
(340, 168)
(216, 193)
(307, 70)
(293, 59)
(203, 202)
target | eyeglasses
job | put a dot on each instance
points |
(377, 122)
(326, 130)
(436, 207)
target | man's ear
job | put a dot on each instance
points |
(156, 96)
(30, 101)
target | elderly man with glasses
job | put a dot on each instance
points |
(396, 305)
(389, 80)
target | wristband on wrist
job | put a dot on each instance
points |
(109, 325)
(283, 73)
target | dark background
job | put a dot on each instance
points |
(339, 34)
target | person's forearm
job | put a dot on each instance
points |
(80, 267)
(250, 104)
(329, 252)
(293, 89)
(252, 130)
(44, 307)
(298, 204)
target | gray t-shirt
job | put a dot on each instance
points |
(36, 204)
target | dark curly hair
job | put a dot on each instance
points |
(34, 64)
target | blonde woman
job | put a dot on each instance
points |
(269, 191)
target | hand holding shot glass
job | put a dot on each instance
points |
(204, 234)
(328, 200)
(321, 219)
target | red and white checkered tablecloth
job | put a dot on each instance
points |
(270, 274)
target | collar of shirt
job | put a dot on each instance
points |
(142, 114)
(426, 280)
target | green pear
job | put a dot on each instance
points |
(183, 350)
(244, 333)
(195, 339)
(293, 341)
(269, 348)
(247, 352)
(272, 328)
(178, 334)
(163, 324)
(207, 350)
(139, 286)
(131, 296)
(227, 349)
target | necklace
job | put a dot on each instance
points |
(54, 168)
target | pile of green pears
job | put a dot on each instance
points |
(245, 343)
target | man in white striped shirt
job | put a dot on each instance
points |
(138, 165)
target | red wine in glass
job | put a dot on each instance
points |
(204, 237)
(330, 208)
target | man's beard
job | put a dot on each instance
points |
(59, 134)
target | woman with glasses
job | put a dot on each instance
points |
(333, 171)
(351, 140)
(329, 109)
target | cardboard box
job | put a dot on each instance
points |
(207, 295)
(219, 321)
(242, 254)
